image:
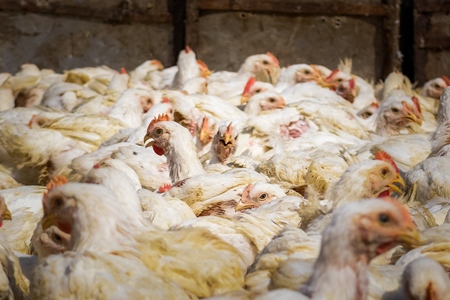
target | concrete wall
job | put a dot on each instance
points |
(101, 36)
(227, 38)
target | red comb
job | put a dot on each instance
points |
(123, 70)
(230, 129)
(275, 60)
(30, 123)
(447, 81)
(160, 118)
(351, 83)
(164, 188)
(205, 123)
(381, 155)
(165, 100)
(249, 85)
(54, 182)
(97, 166)
(246, 192)
(157, 63)
(202, 64)
(375, 104)
(187, 49)
(334, 72)
(417, 103)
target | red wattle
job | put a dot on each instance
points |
(158, 150)
(386, 193)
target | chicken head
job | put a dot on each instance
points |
(257, 194)
(254, 87)
(224, 143)
(158, 133)
(264, 101)
(398, 113)
(368, 179)
(435, 87)
(264, 67)
(206, 129)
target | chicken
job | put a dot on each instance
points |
(175, 142)
(297, 73)
(101, 246)
(368, 228)
(396, 115)
(187, 68)
(377, 178)
(435, 87)
(425, 279)
(264, 101)
(428, 179)
(13, 284)
(259, 193)
(206, 130)
(222, 199)
(171, 253)
(252, 88)
(224, 144)
(263, 67)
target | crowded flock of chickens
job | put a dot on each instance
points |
(271, 182)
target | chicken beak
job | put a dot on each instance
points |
(48, 221)
(410, 237)
(146, 138)
(203, 135)
(245, 98)
(7, 215)
(227, 138)
(241, 206)
(399, 180)
(411, 115)
(206, 73)
(324, 83)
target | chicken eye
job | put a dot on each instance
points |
(263, 196)
(384, 172)
(57, 202)
(383, 218)
(340, 80)
(307, 72)
(395, 110)
(258, 90)
(158, 131)
(265, 62)
(149, 101)
(271, 100)
(57, 237)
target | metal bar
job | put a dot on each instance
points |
(429, 6)
(119, 14)
(294, 7)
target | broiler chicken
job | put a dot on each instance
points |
(101, 244)
(170, 253)
(13, 284)
(367, 229)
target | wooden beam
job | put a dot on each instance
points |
(295, 7)
(429, 6)
(192, 19)
(391, 37)
(178, 10)
(122, 13)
